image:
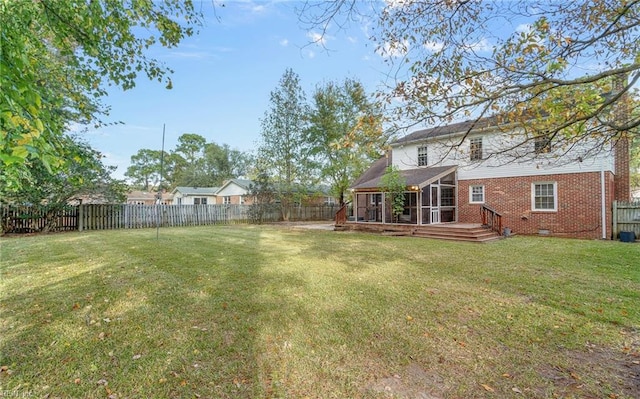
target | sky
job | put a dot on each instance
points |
(223, 77)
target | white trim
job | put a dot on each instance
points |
(471, 201)
(555, 196)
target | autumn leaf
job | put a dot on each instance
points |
(487, 388)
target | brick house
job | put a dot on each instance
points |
(451, 172)
(194, 195)
(137, 197)
(235, 192)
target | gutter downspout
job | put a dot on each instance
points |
(603, 203)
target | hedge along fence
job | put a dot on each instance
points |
(28, 219)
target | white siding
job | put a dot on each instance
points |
(450, 151)
(231, 189)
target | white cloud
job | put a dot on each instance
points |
(284, 42)
(433, 46)
(317, 38)
(523, 28)
(352, 40)
(482, 45)
(398, 3)
(194, 55)
(393, 49)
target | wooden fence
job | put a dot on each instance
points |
(626, 217)
(28, 219)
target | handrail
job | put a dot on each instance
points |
(491, 218)
(341, 215)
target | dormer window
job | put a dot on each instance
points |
(475, 147)
(422, 155)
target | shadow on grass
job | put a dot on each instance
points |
(173, 318)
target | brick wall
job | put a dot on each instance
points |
(578, 211)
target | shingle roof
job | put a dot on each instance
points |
(244, 183)
(460, 127)
(197, 190)
(372, 178)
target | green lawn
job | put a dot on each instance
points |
(270, 312)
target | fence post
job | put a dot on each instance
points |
(615, 219)
(80, 217)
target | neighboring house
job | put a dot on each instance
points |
(235, 192)
(320, 196)
(568, 196)
(147, 198)
(194, 195)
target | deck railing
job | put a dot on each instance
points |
(341, 215)
(491, 219)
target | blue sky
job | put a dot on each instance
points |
(224, 75)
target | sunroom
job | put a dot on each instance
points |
(430, 197)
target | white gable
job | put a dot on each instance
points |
(232, 189)
(455, 150)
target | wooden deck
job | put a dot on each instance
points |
(447, 231)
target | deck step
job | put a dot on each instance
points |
(453, 232)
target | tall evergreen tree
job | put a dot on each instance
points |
(283, 151)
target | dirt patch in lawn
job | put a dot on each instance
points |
(412, 383)
(595, 372)
(584, 376)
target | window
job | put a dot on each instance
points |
(422, 155)
(475, 145)
(544, 196)
(476, 194)
(226, 200)
(199, 201)
(542, 144)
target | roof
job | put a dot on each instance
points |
(141, 195)
(196, 190)
(242, 183)
(420, 177)
(460, 127)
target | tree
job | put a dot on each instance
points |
(559, 69)
(189, 168)
(145, 169)
(283, 150)
(58, 57)
(83, 175)
(221, 163)
(193, 162)
(263, 197)
(394, 186)
(345, 133)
